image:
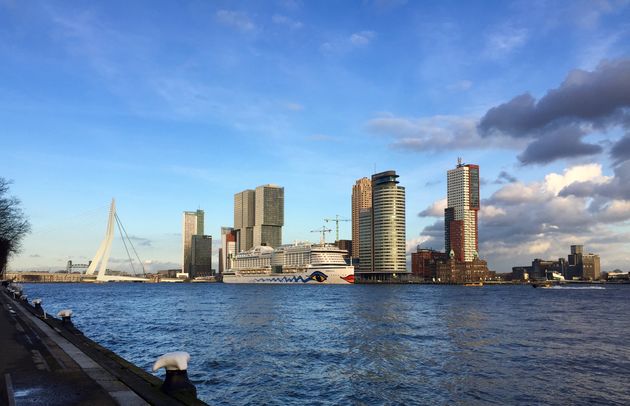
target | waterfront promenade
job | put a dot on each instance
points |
(45, 361)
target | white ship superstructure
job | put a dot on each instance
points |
(297, 263)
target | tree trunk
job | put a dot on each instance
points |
(5, 248)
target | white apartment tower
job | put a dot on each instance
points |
(461, 214)
(382, 246)
(388, 224)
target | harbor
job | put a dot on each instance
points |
(364, 344)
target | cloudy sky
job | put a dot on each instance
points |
(173, 106)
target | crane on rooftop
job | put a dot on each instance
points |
(323, 231)
(336, 220)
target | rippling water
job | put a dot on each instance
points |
(361, 344)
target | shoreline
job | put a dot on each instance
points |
(53, 350)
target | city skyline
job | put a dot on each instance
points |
(104, 100)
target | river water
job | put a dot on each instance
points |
(366, 344)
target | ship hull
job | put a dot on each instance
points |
(342, 275)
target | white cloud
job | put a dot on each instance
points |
(356, 40)
(615, 211)
(460, 86)
(436, 133)
(505, 40)
(489, 211)
(435, 210)
(555, 182)
(412, 244)
(362, 38)
(538, 247)
(235, 19)
(286, 21)
(295, 106)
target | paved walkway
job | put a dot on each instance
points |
(39, 367)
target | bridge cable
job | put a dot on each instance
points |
(131, 243)
(122, 237)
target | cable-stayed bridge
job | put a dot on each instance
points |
(101, 258)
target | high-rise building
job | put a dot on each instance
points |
(244, 214)
(382, 249)
(269, 217)
(228, 248)
(192, 224)
(259, 217)
(460, 216)
(201, 256)
(361, 199)
(388, 223)
(365, 249)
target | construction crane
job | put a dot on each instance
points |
(336, 220)
(323, 231)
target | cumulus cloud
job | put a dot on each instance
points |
(597, 97)
(616, 187)
(435, 210)
(235, 19)
(522, 221)
(620, 151)
(556, 124)
(562, 143)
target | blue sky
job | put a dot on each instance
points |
(177, 106)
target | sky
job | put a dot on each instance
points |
(174, 106)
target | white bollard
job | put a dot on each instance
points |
(65, 315)
(176, 380)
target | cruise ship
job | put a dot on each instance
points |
(299, 263)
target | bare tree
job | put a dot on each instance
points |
(13, 225)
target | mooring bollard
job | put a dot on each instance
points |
(176, 380)
(38, 306)
(66, 316)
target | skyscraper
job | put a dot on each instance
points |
(244, 205)
(382, 249)
(388, 223)
(269, 217)
(201, 256)
(461, 213)
(192, 224)
(365, 249)
(361, 199)
(259, 217)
